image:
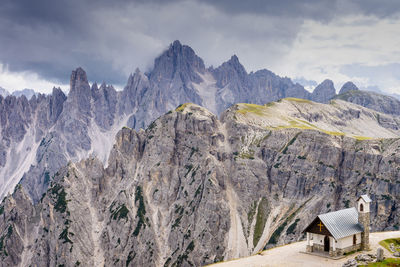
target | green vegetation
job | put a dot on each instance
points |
(292, 227)
(2, 248)
(193, 150)
(300, 100)
(152, 126)
(1, 210)
(64, 235)
(391, 262)
(277, 233)
(46, 178)
(188, 167)
(120, 213)
(198, 190)
(346, 203)
(130, 258)
(252, 108)
(61, 202)
(252, 211)
(180, 108)
(9, 231)
(141, 211)
(184, 257)
(351, 252)
(386, 243)
(258, 141)
(361, 138)
(262, 216)
(247, 155)
(386, 197)
(284, 149)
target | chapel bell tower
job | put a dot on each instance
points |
(363, 219)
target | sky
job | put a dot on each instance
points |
(42, 41)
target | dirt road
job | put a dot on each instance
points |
(289, 255)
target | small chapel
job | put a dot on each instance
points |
(339, 232)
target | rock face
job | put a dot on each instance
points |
(193, 189)
(382, 103)
(349, 86)
(324, 92)
(40, 135)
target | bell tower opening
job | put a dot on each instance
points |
(361, 207)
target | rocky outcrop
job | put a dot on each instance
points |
(324, 92)
(40, 135)
(193, 189)
(381, 103)
(348, 86)
(70, 128)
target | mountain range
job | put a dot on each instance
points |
(40, 135)
(204, 182)
(194, 189)
(28, 93)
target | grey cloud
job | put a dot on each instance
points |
(111, 38)
(379, 76)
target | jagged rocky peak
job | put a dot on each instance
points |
(231, 71)
(80, 93)
(349, 86)
(136, 78)
(179, 61)
(95, 87)
(324, 92)
(78, 78)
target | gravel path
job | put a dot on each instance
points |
(289, 255)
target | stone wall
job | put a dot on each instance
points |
(337, 252)
(364, 220)
(341, 251)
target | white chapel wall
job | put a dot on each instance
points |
(348, 241)
(318, 239)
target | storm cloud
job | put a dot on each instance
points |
(111, 38)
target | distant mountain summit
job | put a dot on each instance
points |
(194, 188)
(28, 93)
(324, 92)
(348, 86)
(55, 129)
(4, 92)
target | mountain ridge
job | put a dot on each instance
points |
(193, 189)
(59, 128)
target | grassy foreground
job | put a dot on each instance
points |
(386, 243)
(391, 262)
